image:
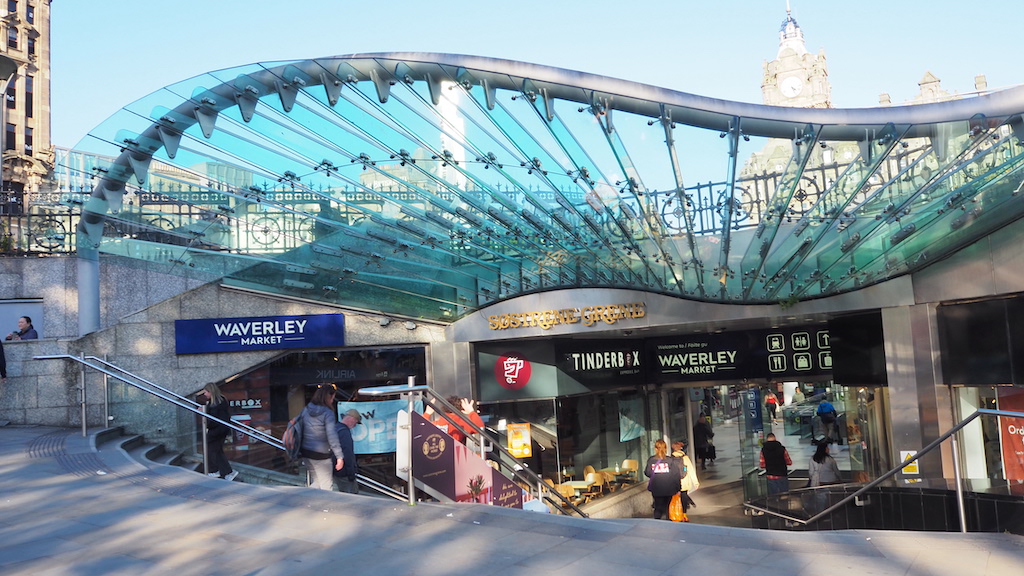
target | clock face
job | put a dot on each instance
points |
(792, 86)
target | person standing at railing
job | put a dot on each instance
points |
(775, 462)
(822, 468)
(216, 433)
(320, 438)
(468, 412)
(346, 476)
(25, 330)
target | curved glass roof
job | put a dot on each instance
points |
(433, 185)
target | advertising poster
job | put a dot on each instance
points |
(519, 439)
(1011, 432)
(449, 468)
(377, 432)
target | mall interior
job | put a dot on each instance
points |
(601, 260)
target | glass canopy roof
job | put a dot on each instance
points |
(433, 185)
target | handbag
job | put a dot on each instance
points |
(675, 508)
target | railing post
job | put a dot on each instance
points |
(959, 484)
(106, 398)
(206, 461)
(81, 396)
(411, 408)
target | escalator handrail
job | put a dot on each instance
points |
(931, 446)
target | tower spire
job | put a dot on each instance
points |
(790, 34)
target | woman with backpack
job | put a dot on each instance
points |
(320, 438)
(663, 471)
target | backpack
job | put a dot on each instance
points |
(292, 438)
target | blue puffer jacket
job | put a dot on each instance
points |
(319, 437)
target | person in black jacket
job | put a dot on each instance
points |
(664, 474)
(702, 435)
(216, 433)
(775, 461)
(345, 478)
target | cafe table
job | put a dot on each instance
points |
(615, 477)
(579, 485)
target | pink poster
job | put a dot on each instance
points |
(452, 469)
(1011, 432)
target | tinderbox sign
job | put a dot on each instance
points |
(213, 335)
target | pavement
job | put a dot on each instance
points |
(70, 507)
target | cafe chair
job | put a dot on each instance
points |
(588, 469)
(596, 487)
(630, 469)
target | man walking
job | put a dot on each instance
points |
(829, 421)
(346, 477)
(775, 461)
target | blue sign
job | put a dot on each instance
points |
(752, 410)
(213, 335)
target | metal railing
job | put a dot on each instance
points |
(443, 408)
(109, 370)
(950, 435)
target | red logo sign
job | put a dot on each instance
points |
(512, 370)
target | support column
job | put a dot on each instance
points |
(911, 347)
(88, 291)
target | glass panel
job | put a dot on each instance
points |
(508, 185)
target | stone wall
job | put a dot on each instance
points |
(138, 336)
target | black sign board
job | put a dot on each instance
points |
(775, 353)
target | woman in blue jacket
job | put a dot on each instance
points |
(320, 438)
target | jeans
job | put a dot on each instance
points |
(776, 485)
(320, 473)
(349, 485)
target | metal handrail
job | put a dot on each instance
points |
(931, 446)
(521, 472)
(109, 369)
(248, 430)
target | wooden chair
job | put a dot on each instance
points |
(597, 486)
(631, 469)
(588, 469)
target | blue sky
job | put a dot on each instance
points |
(108, 53)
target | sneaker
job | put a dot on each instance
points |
(214, 474)
(231, 476)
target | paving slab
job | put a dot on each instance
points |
(68, 507)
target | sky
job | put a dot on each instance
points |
(109, 53)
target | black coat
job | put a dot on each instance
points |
(215, 431)
(664, 474)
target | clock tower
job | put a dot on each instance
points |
(796, 78)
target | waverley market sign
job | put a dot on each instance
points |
(213, 335)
